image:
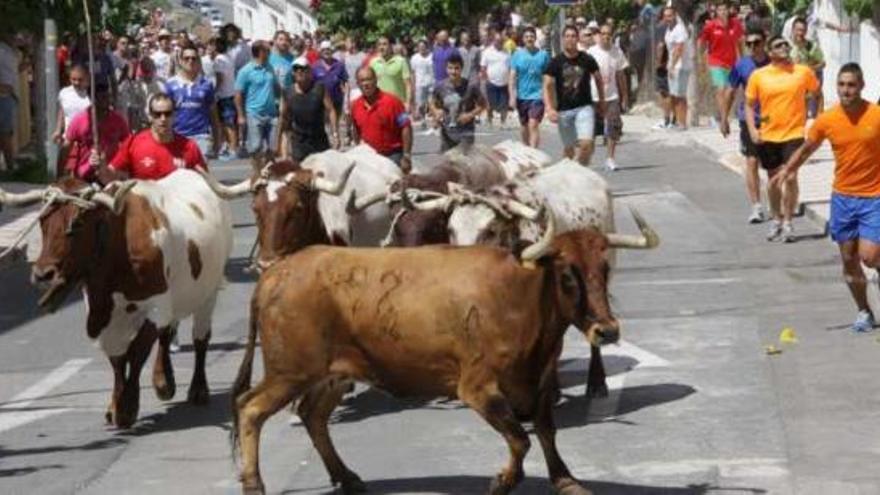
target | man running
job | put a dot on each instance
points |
(780, 90)
(78, 150)
(495, 71)
(739, 78)
(612, 63)
(304, 115)
(568, 99)
(527, 67)
(853, 128)
(721, 37)
(256, 89)
(193, 94)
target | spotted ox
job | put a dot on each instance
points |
(478, 168)
(298, 205)
(432, 321)
(504, 216)
(148, 254)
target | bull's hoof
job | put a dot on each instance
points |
(198, 395)
(108, 416)
(354, 485)
(165, 389)
(253, 488)
(597, 391)
(124, 421)
(501, 485)
(570, 486)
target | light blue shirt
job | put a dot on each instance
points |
(283, 66)
(529, 69)
(259, 88)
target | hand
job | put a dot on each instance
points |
(57, 137)
(334, 141)
(601, 106)
(408, 108)
(756, 137)
(96, 159)
(465, 118)
(242, 121)
(512, 103)
(781, 177)
(406, 164)
(724, 127)
(552, 115)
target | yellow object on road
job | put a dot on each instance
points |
(787, 336)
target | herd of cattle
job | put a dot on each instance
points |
(483, 322)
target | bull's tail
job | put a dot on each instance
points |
(242, 381)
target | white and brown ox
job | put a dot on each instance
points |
(505, 216)
(148, 254)
(300, 204)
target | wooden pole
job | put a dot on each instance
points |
(96, 147)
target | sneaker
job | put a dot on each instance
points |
(225, 156)
(775, 232)
(660, 126)
(757, 215)
(788, 232)
(175, 345)
(675, 128)
(610, 164)
(864, 322)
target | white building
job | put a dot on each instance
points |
(861, 45)
(259, 19)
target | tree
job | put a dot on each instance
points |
(28, 15)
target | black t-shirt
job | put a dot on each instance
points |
(572, 76)
(306, 121)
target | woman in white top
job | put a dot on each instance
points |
(72, 100)
(422, 65)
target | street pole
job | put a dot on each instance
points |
(50, 97)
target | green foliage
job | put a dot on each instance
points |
(27, 15)
(861, 9)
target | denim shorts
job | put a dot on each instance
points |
(576, 125)
(7, 114)
(854, 217)
(262, 133)
(678, 83)
(497, 97)
(228, 114)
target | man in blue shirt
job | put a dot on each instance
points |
(281, 60)
(194, 103)
(739, 78)
(256, 91)
(525, 88)
(443, 49)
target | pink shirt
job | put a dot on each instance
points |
(111, 131)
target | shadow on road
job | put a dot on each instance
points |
(576, 410)
(106, 443)
(372, 402)
(18, 297)
(181, 415)
(462, 485)
(215, 346)
(12, 472)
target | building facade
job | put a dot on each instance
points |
(260, 19)
(860, 43)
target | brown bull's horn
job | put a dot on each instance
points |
(331, 187)
(648, 240)
(540, 248)
(521, 209)
(116, 202)
(224, 191)
(22, 199)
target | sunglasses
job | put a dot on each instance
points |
(783, 44)
(754, 42)
(300, 68)
(166, 113)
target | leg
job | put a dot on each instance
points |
(254, 407)
(560, 476)
(585, 125)
(752, 180)
(163, 372)
(534, 132)
(315, 409)
(853, 273)
(118, 363)
(201, 335)
(138, 352)
(596, 386)
(489, 403)
(790, 193)
(774, 196)
(585, 151)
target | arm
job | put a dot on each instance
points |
(600, 89)
(334, 119)
(511, 88)
(675, 56)
(550, 98)
(623, 88)
(58, 135)
(790, 169)
(750, 121)
(726, 105)
(216, 133)
(407, 137)
(239, 108)
(283, 118)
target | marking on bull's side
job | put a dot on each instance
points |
(472, 324)
(386, 312)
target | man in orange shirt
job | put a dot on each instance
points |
(781, 90)
(853, 128)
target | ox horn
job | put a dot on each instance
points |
(116, 202)
(22, 199)
(224, 191)
(648, 240)
(521, 209)
(330, 187)
(540, 248)
(360, 204)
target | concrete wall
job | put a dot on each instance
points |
(862, 46)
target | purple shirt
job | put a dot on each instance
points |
(441, 56)
(332, 77)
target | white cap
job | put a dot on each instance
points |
(580, 20)
(164, 32)
(326, 45)
(593, 25)
(301, 62)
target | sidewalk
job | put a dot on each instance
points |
(14, 220)
(814, 177)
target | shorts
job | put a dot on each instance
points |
(854, 217)
(205, 142)
(773, 155)
(226, 109)
(423, 96)
(530, 110)
(498, 97)
(613, 122)
(262, 133)
(720, 77)
(576, 125)
(678, 83)
(7, 114)
(746, 146)
(661, 83)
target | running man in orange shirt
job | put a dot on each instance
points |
(853, 128)
(781, 90)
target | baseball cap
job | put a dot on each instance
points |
(301, 62)
(326, 45)
(593, 25)
(580, 20)
(164, 33)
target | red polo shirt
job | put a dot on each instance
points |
(722, 42)
(381, 124)
(145, 158)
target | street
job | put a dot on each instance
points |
(696, 404)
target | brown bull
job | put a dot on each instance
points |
(469, 322)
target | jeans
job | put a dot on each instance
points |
(261, 129)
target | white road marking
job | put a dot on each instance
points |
(10, 414)
(683, 281)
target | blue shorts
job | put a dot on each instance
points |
(7, 114)
(497, 97)
(226, 108)
(854, 217)
(576, 125)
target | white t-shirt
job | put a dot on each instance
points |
(497, 65)
(72, 103)
(423, 68)
(677, 35)
(610, 62)
(162, 61)
(9, 61)
(208, 69)
(224, 67)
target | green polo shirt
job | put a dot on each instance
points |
(391, 75)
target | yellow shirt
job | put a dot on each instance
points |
(856, 145)
(509, 45)
(781, 93)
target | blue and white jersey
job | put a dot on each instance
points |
(193, 101)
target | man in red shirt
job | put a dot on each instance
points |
(78, 139)
(155, 152)
(381, 121)
(721, 36)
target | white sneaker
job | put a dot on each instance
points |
(775, 231)
(788, 233)
(757, 215)
(610, 164)
(660, 126)
(174, 347)
(675, 128)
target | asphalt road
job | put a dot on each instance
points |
(696, 405)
